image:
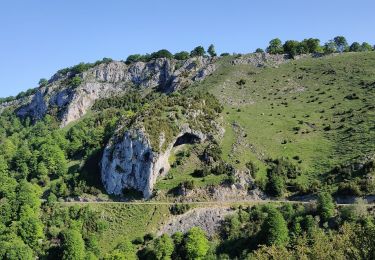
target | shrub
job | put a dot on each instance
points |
(43, 82)
(275, 46)
(137, 57)
(252, 168)
(196, 244)
(201, 172)
(187, 184)
(178, 209)
(325, 206)
(222, 168)
(197, 51)
(274, 229)
(73, 245)
(183, 55)
(329, 47)
(163, 247)
(211, 50)
(349, 188)
(76, 81)
(275, 185)
(161, 54)
(241, 82)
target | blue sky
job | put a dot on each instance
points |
(39, 37)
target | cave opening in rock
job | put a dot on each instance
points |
(187, 138)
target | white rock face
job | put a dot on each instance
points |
(130, 162)
(110, 79)
(36, 109)
(208, 219)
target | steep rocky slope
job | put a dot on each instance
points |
(139, 153)
(131, 163)
(72, 100)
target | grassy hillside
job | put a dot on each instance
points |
(319, 111)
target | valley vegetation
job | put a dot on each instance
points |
(299, 128)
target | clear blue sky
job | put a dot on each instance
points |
(39, 37)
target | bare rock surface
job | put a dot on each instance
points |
(262, 59)
(209, 219)
(130, 162)
(110, 79)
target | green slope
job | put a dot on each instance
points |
(319, 109)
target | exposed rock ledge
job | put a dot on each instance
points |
(129, 162)
(111, 79)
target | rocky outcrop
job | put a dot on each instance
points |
(262, 59)
(110, 79)
(36, 109)
(129, 161)
(208, 219)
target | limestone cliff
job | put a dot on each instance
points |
(130, 162)
(108, 79)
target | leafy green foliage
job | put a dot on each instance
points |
(183, 55)
(341, 43)
(355, 46)
(330, 47)
(196, 244)
(275, 46)
(76, 81)
(163, 247)
(274, 228)
(82, 67)
(73, 245)
(129, 101)
(280, 172)
(197, 51)
(43, 82)
(326, 206)
(211, 50)
(162, 54)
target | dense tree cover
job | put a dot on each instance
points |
(356, 47)
(270, 232)
(295, 232)
(125, 250)
(312, 45)
(73, 245)
(163, 247)
(34, 166)
(274, 228)
(196, 244)
(192, 245)
(42, 163)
